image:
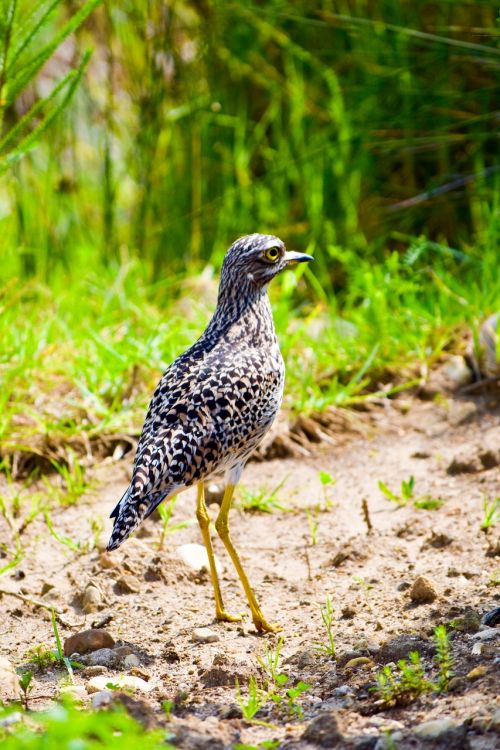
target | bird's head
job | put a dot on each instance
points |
(256, 259)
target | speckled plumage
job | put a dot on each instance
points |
(216, 401)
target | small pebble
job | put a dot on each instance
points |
(477, 673)
(102, 698)
(130, 661)
(103, 657)
(106, 561)
(359, 661)
(195, 557)
(88, 640)
(128, 584)
(123, 681)
(9, 681)
(486, 634)
(434, 729)
(423, 590)
(92, 599)
(204, 635)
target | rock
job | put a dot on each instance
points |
(92, 598)
(359, 661)
(138, 708)
(225, 671)
(9, 681)
(123, 681)
(195, 557)
(102, 698)
(128, 584)
(324, 731)
(399, 648)
(76, 692)
(131, 661)
(46, 587)
(93, 671)
(477, 649)
(469, 622)
(366, 742)
(456, 683)
(106, 562)
(123, 651)
(443, 730)
(103, 657)
(403, 586)
(461, 412)
(456, 371)
(477, 673)
(232, 711)
(11, 719)
(464, 464)
(423, 590)
(202, 735)
(88, 640)
(486, 634)
(204, 635)
(495, 721)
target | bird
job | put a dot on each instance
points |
(213, 405)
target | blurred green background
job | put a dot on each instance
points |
(363, 132)
(354, 124)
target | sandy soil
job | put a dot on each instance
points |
(152, 602)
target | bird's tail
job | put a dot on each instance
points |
(129, 513)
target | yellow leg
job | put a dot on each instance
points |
(204, 521)
(222, 526)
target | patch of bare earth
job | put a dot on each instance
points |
(152, 603)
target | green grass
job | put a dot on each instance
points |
(63, 727)
(80, 358)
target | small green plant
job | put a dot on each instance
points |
(65, 540)
(410, 681)
(41, 656)
(426, 502)
(65, 726)
(165, 510)
(406, 493)
(491, 513)
(25, 680)
(312, 520)
(168, 706)
(261, 501)
(255, 700)
(327, 617)
(444, 657)
(327, 481)
(270, 664)
(59, 653)
(406, 685)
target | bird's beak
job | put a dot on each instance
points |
(291, 258)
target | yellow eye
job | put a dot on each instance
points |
(272, 254)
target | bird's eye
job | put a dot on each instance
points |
(272, 254)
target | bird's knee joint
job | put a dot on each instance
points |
(203, 518)
(222, 527)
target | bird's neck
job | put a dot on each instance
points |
(243, 316)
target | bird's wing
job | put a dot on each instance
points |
(194, 423)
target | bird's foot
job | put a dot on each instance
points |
(262, 626)
(226, 617)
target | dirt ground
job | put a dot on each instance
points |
(152, 602)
